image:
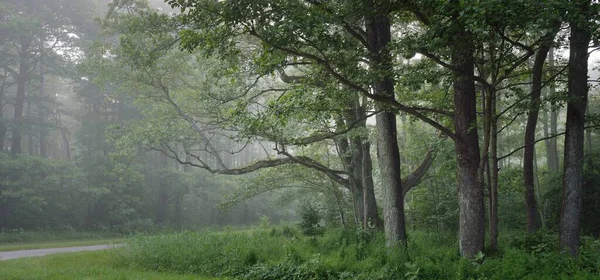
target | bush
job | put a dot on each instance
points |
(311, 220)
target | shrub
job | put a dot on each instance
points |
(311, 220)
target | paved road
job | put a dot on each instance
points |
(42, 252)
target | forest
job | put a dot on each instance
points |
(307, 139)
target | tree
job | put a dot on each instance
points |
(532, 120)
(33, 31)
(581, 32)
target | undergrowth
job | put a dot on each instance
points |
(285, 253)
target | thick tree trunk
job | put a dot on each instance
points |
(570, 217)
(359, 207)
(388, 156)
(470, 191)
(530, 128)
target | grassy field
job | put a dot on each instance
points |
(83, 265)
(283, 252)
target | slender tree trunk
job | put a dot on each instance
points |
(2, 120)
(43, 134)
(371, 218)
(17, 137)
(338, 202)
(570, 217)
(354, 186)
(484, 165)
(163, 196)
(30, 117)
(179, 208)
(588, 134)
(493, 178)
(470, 191)
(552, 147)
(530, 128)
(388, 156)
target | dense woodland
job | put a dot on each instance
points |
(473, 118)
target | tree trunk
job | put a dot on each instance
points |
(17, 137)
(552, 146)
(529, 149)
(570, 217)
(493, 181)
(354, 186)
(43, 134)
(30, 117)
(588, 134)
(163, 196)
(179, 208)
(358, 203)
(388, 156)
(372, 219)
(3, 127)
(470, 191)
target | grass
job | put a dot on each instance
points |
(284, 253)
(83, 265)
(58, 244)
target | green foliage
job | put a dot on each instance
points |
(344, 254)
(39, 193)
(311, 218)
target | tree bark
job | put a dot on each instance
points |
(22, 78)
(30, 118)
(371, 218)
(493, 181)
(570, 218)
(163, 197)
(470, 191)
(43, 132)
(530, 128)
(354, 183)
(552, 146)
(388, 155)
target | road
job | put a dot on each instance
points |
(42, 252)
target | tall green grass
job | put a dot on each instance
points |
(283, 253)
